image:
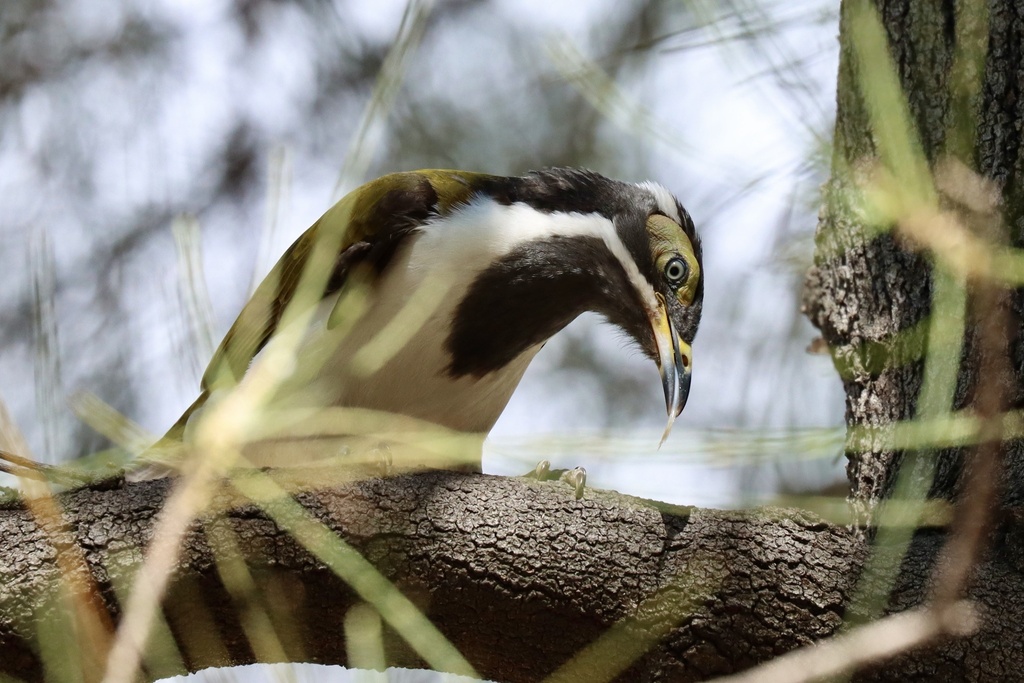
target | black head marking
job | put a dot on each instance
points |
(530, 294)
(543, 285)
(575, 190)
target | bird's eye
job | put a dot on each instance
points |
(676, 271)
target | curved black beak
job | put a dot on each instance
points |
(675, 361)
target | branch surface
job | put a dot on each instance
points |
(518, 574)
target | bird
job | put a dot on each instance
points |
(432, 291)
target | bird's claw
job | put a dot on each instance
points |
(542, 472)
(384, 461)
(576, 477)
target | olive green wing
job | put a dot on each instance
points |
(384, 209)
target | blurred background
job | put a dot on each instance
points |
(145, 143)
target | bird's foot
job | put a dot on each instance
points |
(384, 462)
(575, 477)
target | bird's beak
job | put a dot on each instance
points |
(675, 360)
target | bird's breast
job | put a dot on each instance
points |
(388, 353)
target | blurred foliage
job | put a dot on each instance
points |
(117, 127)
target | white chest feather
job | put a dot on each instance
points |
(393, 358)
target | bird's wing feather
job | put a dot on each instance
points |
(380, 212)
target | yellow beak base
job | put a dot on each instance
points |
(675, 361)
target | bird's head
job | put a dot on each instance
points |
(584, 242)
(667, 253)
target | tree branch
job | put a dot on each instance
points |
(519, 575)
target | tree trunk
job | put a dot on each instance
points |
(867, 290)
(523, 578)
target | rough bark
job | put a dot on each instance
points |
(866, 289)
(518, 574)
